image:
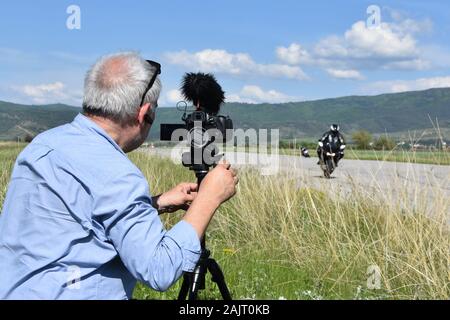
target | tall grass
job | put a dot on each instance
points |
(300, 242)
(8, 154)
(278, 238)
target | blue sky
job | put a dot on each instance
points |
(260, 51)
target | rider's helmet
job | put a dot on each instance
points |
(334, 128)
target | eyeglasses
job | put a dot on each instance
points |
(149, 119)
(157, 66)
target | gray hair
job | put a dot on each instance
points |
(115, 84)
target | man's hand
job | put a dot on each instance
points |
(179, 198)
(220, 183)
(218, 186)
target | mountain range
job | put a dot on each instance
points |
(396, 113)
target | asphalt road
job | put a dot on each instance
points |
(404, 183)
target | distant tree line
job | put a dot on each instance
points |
(363, 140)
(293, 144)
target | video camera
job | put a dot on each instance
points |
(202, 128)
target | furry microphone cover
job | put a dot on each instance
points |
(204, 91)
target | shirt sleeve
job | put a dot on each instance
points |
(152, 255)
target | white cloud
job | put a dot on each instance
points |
(413, 26)
(395, 86)
(254, 94)
(221, 61)
(48, 93)
(42, 90)
(392, 45)
(293, 55)
(360, 42)
(174, 96)
(345, 74)
(407, 25)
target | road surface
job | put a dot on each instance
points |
(405, 183)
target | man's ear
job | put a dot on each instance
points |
(143, 111)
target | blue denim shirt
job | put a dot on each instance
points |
(78, 222)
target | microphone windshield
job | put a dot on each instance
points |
(203, 91)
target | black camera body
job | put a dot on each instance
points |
(210, 122)
(202, 128)
(203, 132)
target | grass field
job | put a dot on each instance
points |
(275, 240)
(425, 157)
(8, 154)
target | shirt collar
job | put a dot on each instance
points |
(85, 123)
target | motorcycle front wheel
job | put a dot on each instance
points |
(329, 168)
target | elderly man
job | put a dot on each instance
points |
(78, 221)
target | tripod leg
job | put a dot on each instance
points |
(195, 286)
(193, 293)
(218, 277)
(189, 288)
(185, 287)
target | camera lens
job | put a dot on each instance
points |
(198, 137)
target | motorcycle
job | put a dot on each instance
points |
(305, 152)
(329, 155)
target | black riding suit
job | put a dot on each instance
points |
(330, 135)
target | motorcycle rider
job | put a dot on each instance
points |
(331, 135)
(305, 152)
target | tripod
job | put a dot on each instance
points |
(195, 281)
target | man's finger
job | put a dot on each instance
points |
(191, 186)
(225, 164)
(191, 196)
(188, 187)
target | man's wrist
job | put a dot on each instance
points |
(156, 204)
(155, 201)
(200, 213)
(208, 202)
(165, 208)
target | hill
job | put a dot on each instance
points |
(392, 113)
(19, 120)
